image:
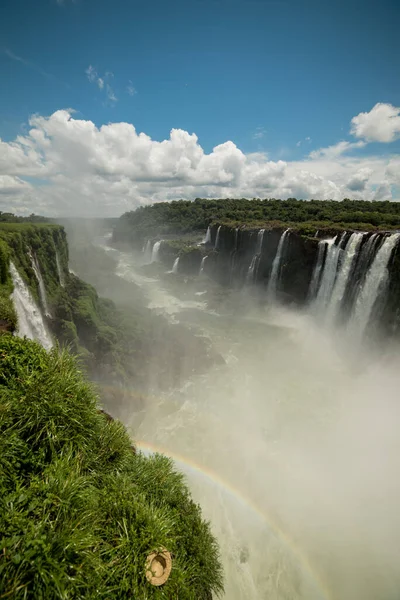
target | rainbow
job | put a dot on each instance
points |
(300, 557)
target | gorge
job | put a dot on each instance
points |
(270, 379)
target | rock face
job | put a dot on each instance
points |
(245, 255)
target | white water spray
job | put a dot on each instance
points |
(273, 280)
(375, 282)
(312, 292)
(59, 270)
(155, 254)
(217, 238)
(203, 260)
(175, 266)
(147, 251)
(30, 319)
(329, 274)
(207, 239)
(342, 278)
(42, 288)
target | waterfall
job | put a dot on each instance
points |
(30, 319)
(375, 281)
(252, 270)
(59, 270)
(316, 277)
(203, 260)
(147, 251)
(329, 273)
(217, 238)
(175, 265)
(363, 263)
(342, 278)
(207, 239)
(42, 288)
(273, 280)
(155, 254)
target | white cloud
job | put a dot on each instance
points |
(336, 150)
(259, 133)
(380, 124)
(94, 77)
(110, 169)
(130, 89)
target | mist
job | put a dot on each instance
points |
(290, 443)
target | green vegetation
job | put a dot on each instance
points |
(8, 317)
(185, 216)
(80, 510)
(121, 343)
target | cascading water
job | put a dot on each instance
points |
(147, 251)
(273, 280)
(252, 270)
(30, 319)
(375, 282)
(42, 288)
(155, 254)
(207, 239)
(316, 278)
(217, 238)
(342, 278)
(59, 270)
(329, 273)
(203, 260)
(175, 266)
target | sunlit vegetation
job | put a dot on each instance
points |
(80, 509)
(185, 216)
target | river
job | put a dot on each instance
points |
(291, 447)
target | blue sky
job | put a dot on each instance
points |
(283, 78)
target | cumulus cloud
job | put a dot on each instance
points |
(89, 170)
(380, 124)
(94, 77)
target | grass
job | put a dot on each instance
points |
(80, 510)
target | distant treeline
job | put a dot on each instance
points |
(183, 216)
(6, 217)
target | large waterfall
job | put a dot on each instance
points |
(375, 282)
(329, 273)
(252, 270)
(30, 320)
(273, 280)
(42, 288)
(155, 257)
(344, 273)
(59, 270)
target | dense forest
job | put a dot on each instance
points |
(183, 216)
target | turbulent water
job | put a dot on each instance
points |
(30, 320)
(291, 447)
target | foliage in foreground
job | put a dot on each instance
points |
(79, 509)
